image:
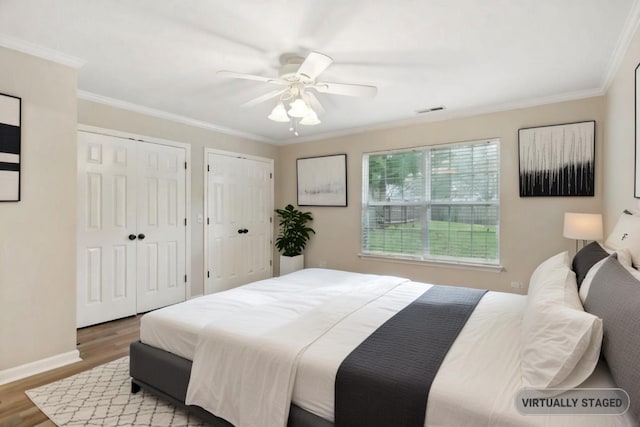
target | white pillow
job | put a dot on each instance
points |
(547, 271)
(560, 341)
(626, 235)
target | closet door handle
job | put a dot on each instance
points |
(132, 237)
(245, 231)
(141, 236)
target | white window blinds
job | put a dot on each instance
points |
(433, 203)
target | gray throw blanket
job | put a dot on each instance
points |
(386, 380)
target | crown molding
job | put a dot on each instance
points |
(439, 116)
(622, 45)
(112, 102)
(427, 118)
(41, 51)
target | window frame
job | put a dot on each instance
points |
(429, 203)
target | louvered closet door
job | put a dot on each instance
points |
(106, 274)
(161, 226)
(239, 207)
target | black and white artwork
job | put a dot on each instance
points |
(557, 160)
(9, 148)
(322, 181)
(636, 189)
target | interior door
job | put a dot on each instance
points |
(131, 227)
(239, 203)
(106, 275)
(257, 225)
(161, 226)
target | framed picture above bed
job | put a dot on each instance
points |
(557, 160)
(322, 181)
(10, 148)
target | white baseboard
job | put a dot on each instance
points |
(42, 365)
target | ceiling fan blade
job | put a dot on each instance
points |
(312, 100)
(314, 64)
(235, 75)
(264, 97)
(346, 89)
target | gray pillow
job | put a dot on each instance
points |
(586, 258)
(614, 296)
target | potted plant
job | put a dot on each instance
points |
(292, 238)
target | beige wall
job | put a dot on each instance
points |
(38, 234)
(530, 228)
(95, 114)
(619, 139)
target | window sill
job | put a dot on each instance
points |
(433, 263)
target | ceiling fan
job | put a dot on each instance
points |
(297, 75)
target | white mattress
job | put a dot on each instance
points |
(476, 383)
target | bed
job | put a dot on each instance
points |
(476, 383)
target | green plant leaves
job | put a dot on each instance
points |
(294, 233)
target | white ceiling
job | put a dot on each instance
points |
(161, 56)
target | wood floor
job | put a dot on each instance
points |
(97, 345)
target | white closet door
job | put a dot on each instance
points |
(257, 221)
(239, 203)
(106, 279)
(131, 227)
(161, 226)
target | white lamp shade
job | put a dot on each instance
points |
(279, 113)
(298, 108)
(310, 119)
(582, 226)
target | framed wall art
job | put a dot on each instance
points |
(636, 187)
(322, 181)
(557, 160)
(10, 117)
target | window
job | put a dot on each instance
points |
(437, 203)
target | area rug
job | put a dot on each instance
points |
(102, 397)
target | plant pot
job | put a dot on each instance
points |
(289, 264)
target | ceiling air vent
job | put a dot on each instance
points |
(431, 110)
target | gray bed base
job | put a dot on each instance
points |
(167, 376)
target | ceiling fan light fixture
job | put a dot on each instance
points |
(279, 113)
(296, 105)
(298, 108)
(310, 119)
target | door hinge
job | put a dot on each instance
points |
(208, 168)
(270, 219)
(208, 275)
(207, 220)
(185, 165)
(270, 263)
(270, 175)
(185, 278)
(185, 221)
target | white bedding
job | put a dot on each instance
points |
(175, 328)
(475, 385)
(263, 345)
